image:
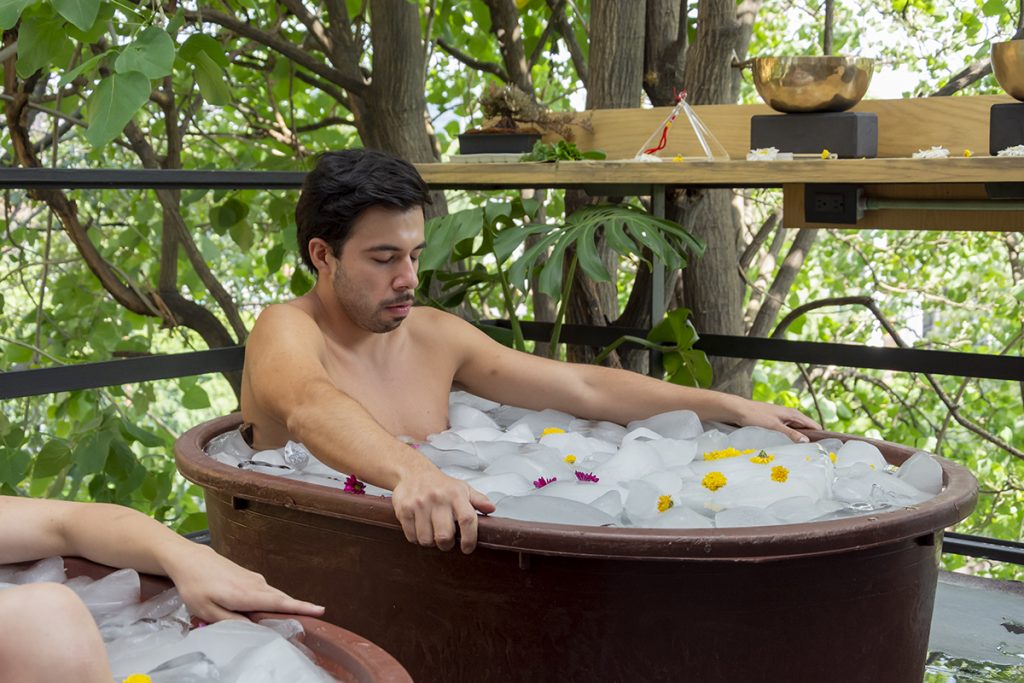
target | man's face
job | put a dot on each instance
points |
(375, 278)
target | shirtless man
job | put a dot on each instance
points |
(350, 365)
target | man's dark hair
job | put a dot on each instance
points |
(343, 185)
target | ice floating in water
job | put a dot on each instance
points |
(669, 471)
(153, 637)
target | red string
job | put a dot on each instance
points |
(679, 96)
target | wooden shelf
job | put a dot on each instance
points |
(597, 174)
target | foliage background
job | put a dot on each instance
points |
(199, 94)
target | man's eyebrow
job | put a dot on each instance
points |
(393, 247)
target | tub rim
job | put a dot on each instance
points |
(746, 544)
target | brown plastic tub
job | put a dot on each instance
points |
(343, 654)
(843, 600)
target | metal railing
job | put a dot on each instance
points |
(41, 381)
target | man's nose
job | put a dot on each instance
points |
(407, 277)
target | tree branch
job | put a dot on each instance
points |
(487, 67)
(280, 45)
(561, 22)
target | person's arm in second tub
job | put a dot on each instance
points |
(593, 392)
(212, 587)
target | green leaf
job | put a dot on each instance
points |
(81, 13)
(41, 40)
(242, 235)
(133, 432)
(212, 80)
(274, 258)
(589, 260)
(84, 67)
(231, 212)
(91, 453)
(202, 43)
(195, 397)
(93, 34)
(113, 104)
(152, 54)
(993, 8)
(53, 457)
(300, 282)
(176, 22)
(10, 12)
(13, 466)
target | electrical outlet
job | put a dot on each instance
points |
(838, 204)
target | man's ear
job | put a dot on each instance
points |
(320, 254)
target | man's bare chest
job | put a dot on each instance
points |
(406, 395)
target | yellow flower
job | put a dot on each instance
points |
(780, 474)
(677, 158)
(664, 503)
(570, 458)
(726, 453)
(714, 481)
(138, 678)
(825, 154)
(762, 458)
(552, 430)
(832, 457)
(968, 153)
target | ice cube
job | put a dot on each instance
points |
(860, 451)
(462, 416)
(506, 484)
(640, 434)
(575, 490)
(712, 440)
(479, 434)
(568, 443)
(545, 419)
(666, 481)
(229, 448)
(922, 472)
(676, 424)
(634, 460)
(641, 502)
(675, 452)
(679, 517)
(800, 509)
(193, 667)
(471, 400)
(113, 592)
(296, 455)
(609, 502)
(275, 662)
(51, 569)
(550, 509)
(602, 430)
(756, 438)
(744, 516)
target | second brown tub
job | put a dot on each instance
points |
(841, 600)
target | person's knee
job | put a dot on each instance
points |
(35, 616)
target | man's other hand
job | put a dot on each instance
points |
(429, 504)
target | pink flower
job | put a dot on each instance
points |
(587, 476)
(353, 485)
(542, 482)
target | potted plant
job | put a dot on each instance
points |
(514, 123)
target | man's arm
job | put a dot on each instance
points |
(288, 381)
(212, 586)
(498, 373)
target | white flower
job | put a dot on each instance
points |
(1015, 151)
(763, 154)
(933, 153)
(647, 157)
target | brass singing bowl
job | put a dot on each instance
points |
(1008, 66)
(805, 84)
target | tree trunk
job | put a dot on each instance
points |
(615, 81)
(712, 287)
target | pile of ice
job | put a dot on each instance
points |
(669, 471)
(154, 637)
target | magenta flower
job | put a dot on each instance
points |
(587, 476)
(542, 482)
(353, 485)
